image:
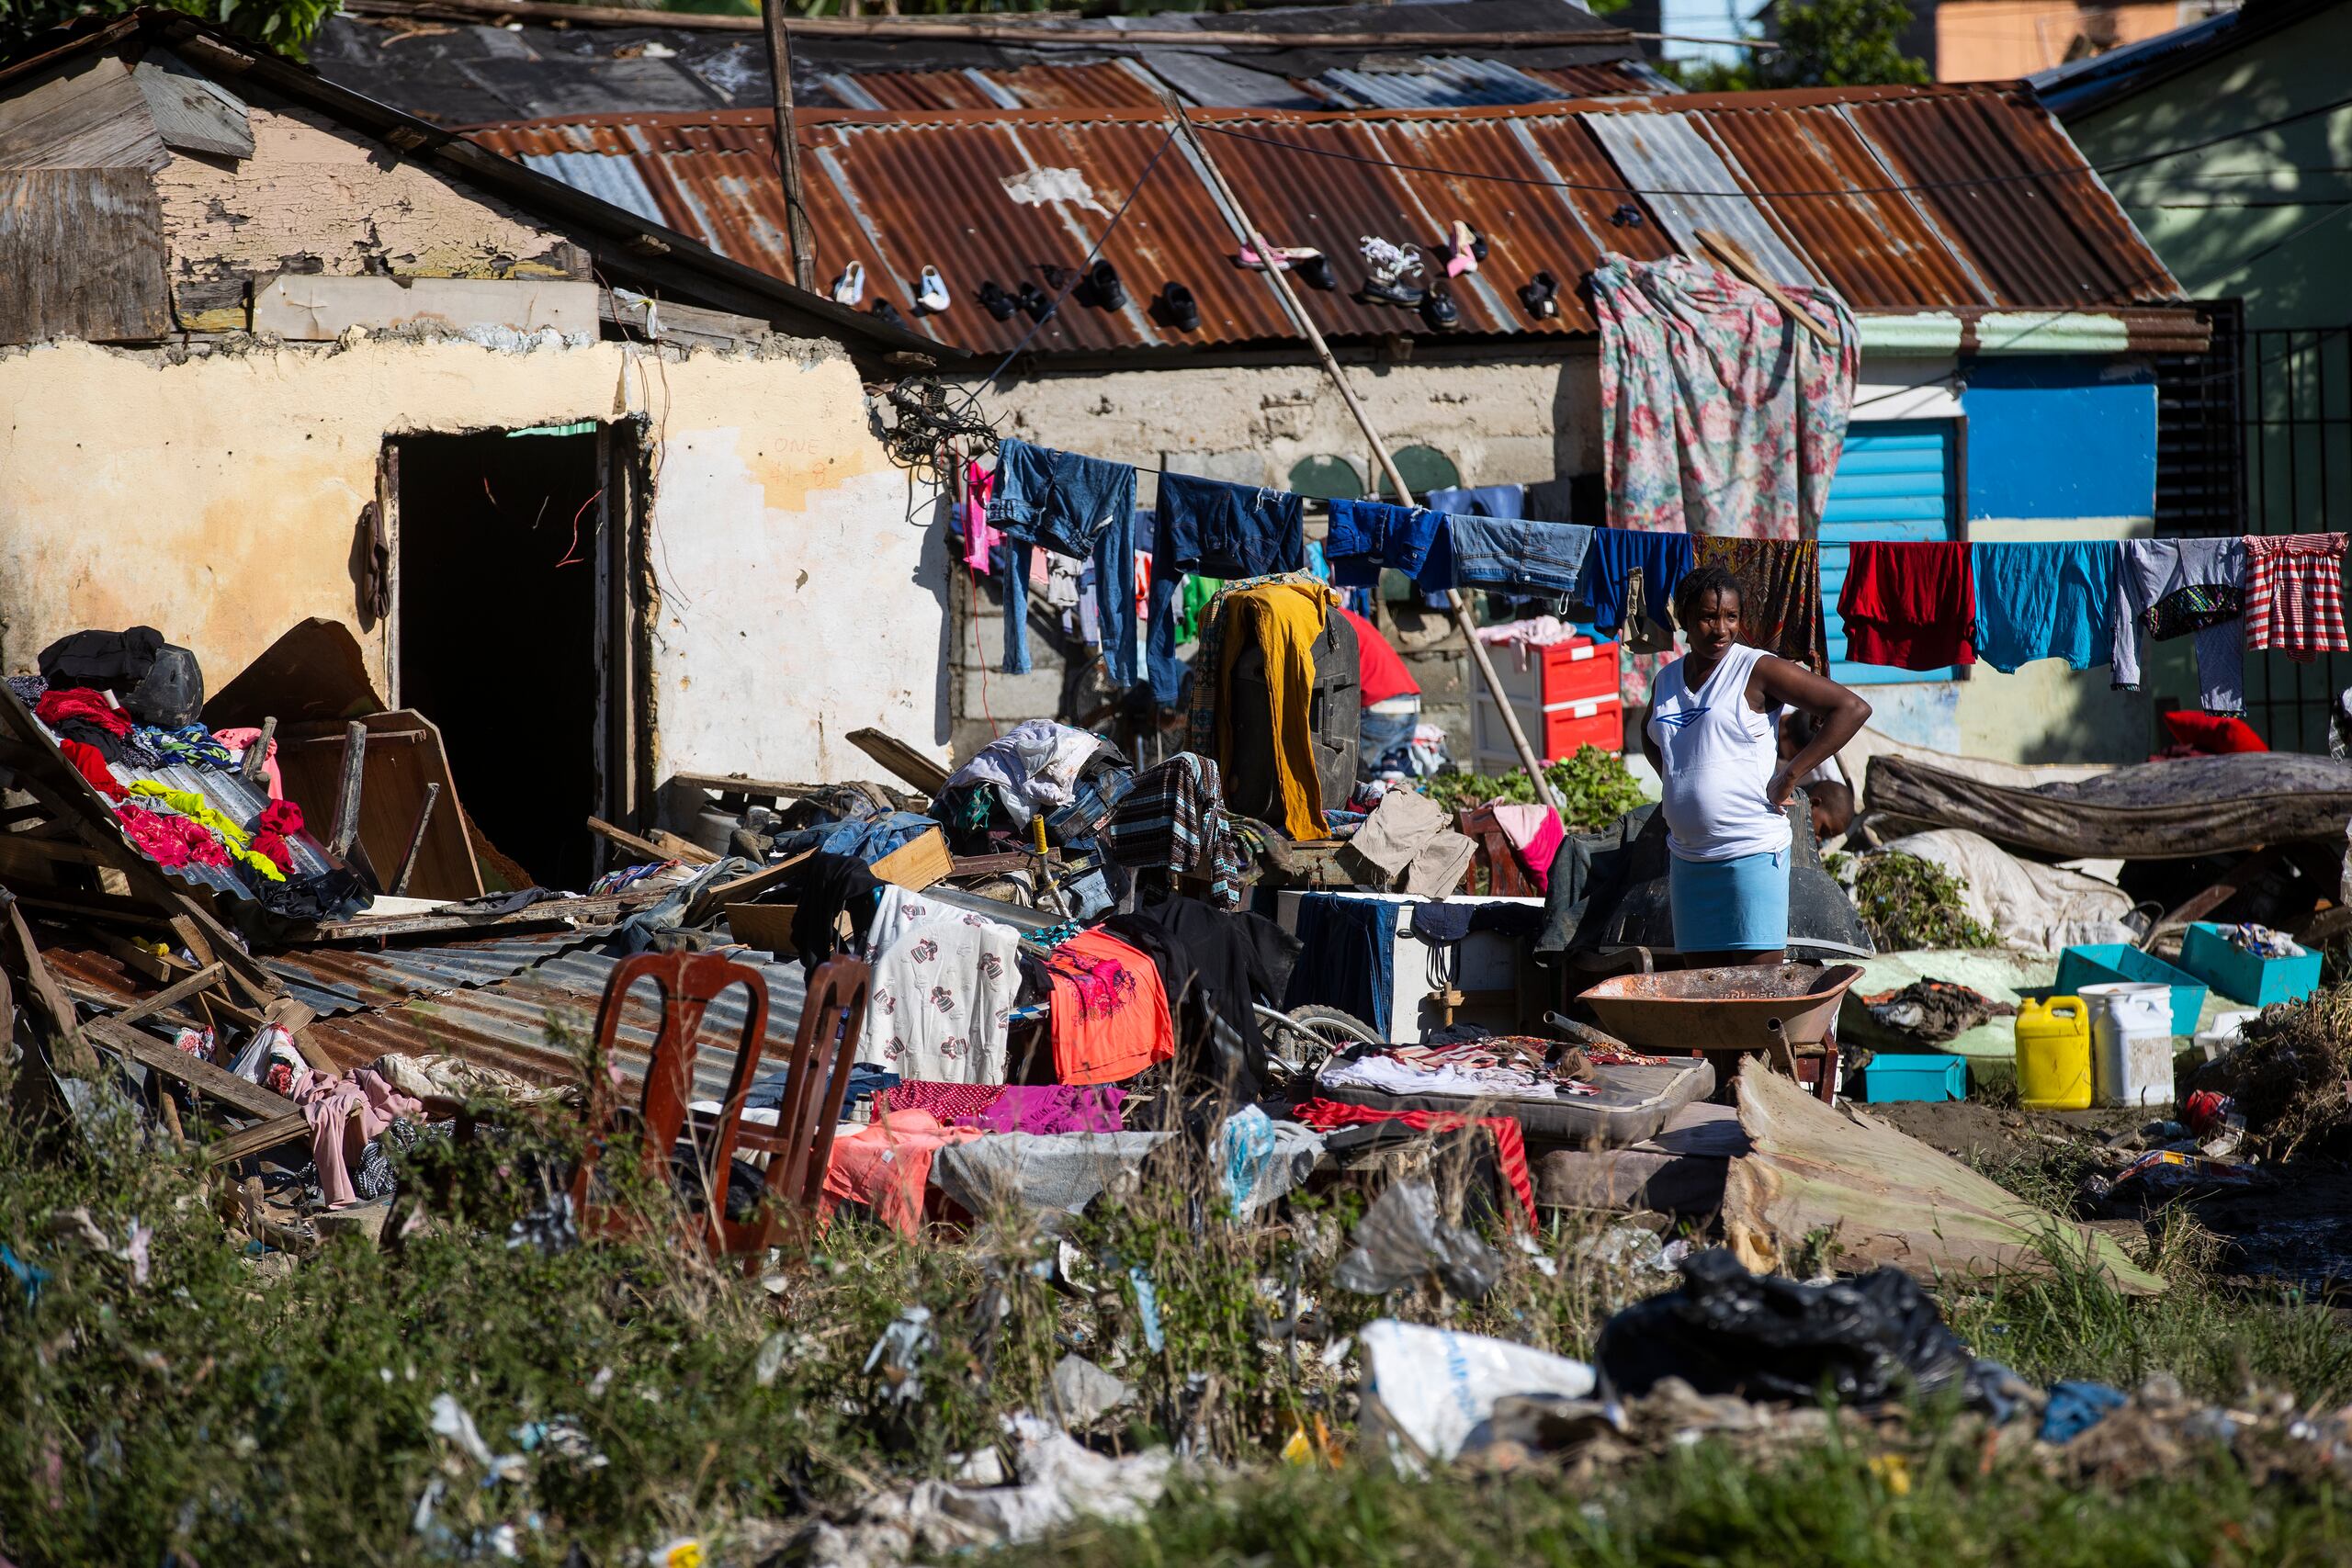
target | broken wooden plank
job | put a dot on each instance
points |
(255, 763)
(416, 839)
(347, 789)
(737, 784)
(917, 864)
(75, 1060)
(258, 1139)
(767, 927)
(1883, 1197)
(192, 112)
(162, 1056)
(173, 995)
(901, 759)
(743, 890)
(679, 849)
(644, 850)
(1734, 255)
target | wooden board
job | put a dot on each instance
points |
(200, 1075)
(917, 864)
(315, 671)
(307, 306)
(404, 754)
(192, 112)
(901, 759)
(767, 927)
(1885, 1198)
(84, 114)
(259, 1138)
(82, 253)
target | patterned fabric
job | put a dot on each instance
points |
(1718, 415)
(1704, 427)
(1050, 1109)
(2192, 609)
(1779, 594)
(1510, 1144)
(949, 1103)
(193, 745)
(195, 807)
(939, 998)
(2294, 594)
(1174, 817)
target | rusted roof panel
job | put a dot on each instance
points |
(1877, 246)
(1004, 194)
(2049, 242)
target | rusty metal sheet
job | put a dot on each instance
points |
(1688, 183)
(1002, 193)
(2044, 240)
(1869, 243)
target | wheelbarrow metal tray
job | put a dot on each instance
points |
(1737, 1007)
(1633, 1103)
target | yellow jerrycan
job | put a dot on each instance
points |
(2054, 1054)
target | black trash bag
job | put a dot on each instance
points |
(1403, 1238)
(159, 683)
(1763, 1337)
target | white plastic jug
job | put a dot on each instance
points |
(2131, 1043)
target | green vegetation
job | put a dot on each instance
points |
(283, 25)
(223, 1403)
(1908, 903)
(1824, 43)
(1593, 788)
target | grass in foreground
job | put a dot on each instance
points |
(237, 1409)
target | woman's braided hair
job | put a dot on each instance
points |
(1696, 585)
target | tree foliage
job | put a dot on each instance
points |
(284, 26)
(1824, 43)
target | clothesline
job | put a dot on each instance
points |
(1917, 605)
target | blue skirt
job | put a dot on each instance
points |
(1730, 905)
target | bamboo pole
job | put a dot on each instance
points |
(787, 147)
(1298, 313)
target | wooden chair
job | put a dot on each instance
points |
(798, 1147)
(1505, 877)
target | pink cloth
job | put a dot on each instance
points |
(238, 740)
(1012, 1108)
(886, 1165)
(346, 1114)
(979, 540)
(1534, 832)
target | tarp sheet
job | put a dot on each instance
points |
(2196, 805)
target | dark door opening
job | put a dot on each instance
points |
(498, 575)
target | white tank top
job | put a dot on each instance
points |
(1720, 753)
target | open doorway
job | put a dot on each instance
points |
(502, 571)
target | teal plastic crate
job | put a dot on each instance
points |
(2103, 963)
(1927, 1076)
(2206, 953)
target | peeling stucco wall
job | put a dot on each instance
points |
(1502, 421)
(216, 498)
(315, 199)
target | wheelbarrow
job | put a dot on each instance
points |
(1724, 1014)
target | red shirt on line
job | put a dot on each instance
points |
(1382, 673)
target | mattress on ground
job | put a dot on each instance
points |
(1633, 1103)
(2175, 810)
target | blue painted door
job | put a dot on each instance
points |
(1894, 480)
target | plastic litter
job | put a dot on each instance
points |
(1403, 1239)
(1085, 1393)
(1725, 1330)
(899, 1354)
(1427, 1390)
(1061, 1481)
(2075, 1407)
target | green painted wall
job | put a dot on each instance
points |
(2189, 205)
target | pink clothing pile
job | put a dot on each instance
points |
(346, 1114)
(886, 1165)
(1534, 832)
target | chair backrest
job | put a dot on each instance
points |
(687, 984)
(823, 1049)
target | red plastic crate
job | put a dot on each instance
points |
(1556, 732)
(1557, 673)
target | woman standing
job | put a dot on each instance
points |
(1713, 735)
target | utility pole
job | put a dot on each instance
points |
(787, 147)
(1298, 313)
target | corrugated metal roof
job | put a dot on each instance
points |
(1445, 82)
(1003, 195)
(332, 980)
(535, 1024)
